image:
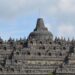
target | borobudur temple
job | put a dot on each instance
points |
(39, 54)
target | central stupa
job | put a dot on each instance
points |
(40, 31)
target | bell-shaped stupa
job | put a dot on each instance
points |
(40, 31)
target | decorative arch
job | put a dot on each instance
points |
(28, 52)
(1, 69)
(50, 42)
(31, 42)
(64, 48)
(49, 54)
(17, 53)
(5, 48)
(60, 54)
(54, 48)
(12, 69)
(39, 53)
(40, 42)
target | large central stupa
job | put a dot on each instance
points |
(41, 32)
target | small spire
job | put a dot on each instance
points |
(68, 39)
(62, 38)
(1, 40)
(40, 24)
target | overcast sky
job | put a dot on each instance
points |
(18, 17)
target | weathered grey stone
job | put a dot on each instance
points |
(38, 54)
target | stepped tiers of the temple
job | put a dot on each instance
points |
(39, 54)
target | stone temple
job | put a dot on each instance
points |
(39, 54)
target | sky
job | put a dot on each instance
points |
(18, 17)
